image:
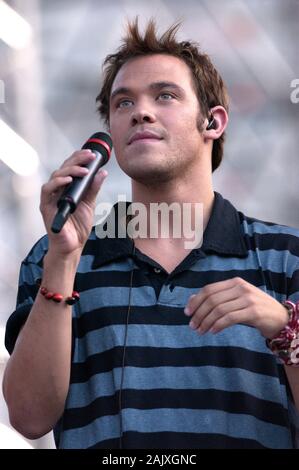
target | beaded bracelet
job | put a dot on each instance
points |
(286, 344)
(56, 297)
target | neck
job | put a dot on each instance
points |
(196, 189)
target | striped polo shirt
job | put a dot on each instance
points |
(179, 389)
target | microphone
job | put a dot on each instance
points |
(101, 145)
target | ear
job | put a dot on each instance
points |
(219, 124)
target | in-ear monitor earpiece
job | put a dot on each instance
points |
(211, 123)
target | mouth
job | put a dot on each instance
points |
(144, 136)
(145, 140)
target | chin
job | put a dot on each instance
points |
(150, 168)
(150, 176)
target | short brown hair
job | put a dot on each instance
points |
(209, 86)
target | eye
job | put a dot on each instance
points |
(165, 94)
(123, 103)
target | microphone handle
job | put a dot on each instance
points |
(75, 191)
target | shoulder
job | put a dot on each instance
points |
(253, 226)
(276, 233)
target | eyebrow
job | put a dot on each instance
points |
(155, 86)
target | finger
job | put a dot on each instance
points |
(53, 186)
(95, 186)
(221, 310)
(75, 171)
(189, 305)
(195, 301)
(209, 304)
(233, 318)
(80, 157)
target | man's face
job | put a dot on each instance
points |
(153, 101)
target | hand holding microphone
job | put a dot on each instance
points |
(101, 145)
(76, 181)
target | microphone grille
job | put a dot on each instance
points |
(100, 142)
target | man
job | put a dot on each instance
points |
(166, 347)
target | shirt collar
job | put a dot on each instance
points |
(223, 235)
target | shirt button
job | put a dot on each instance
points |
(157, 270)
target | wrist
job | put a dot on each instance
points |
(59, 273)
(282, 317)
(64, 262)
(285, 345)
(56, 296)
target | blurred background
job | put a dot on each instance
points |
(51, 54)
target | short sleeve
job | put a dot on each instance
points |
(31, 270)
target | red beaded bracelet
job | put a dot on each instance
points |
(56, 296)
(286, 344)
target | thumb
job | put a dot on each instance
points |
(95, 186)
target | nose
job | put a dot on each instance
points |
(142, 115)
